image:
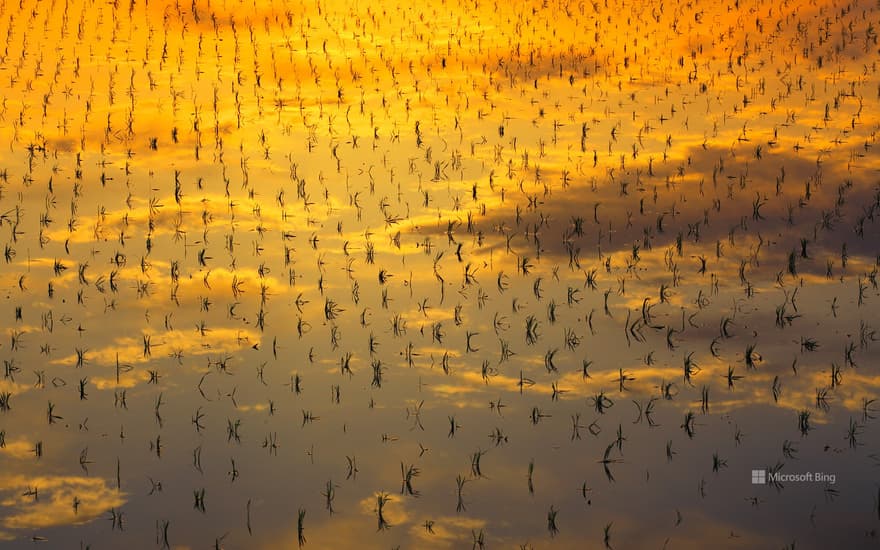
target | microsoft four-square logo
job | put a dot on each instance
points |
(759, 477)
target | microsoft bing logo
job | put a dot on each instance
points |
(759, 477)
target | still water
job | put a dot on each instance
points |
(379, 275)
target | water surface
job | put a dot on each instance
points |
(378, 275)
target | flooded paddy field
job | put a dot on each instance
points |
(444, 275)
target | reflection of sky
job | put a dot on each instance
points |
(213, 207)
